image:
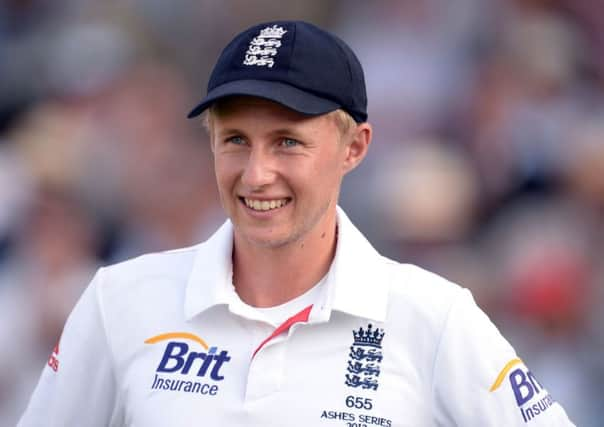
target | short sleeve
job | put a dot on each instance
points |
(479, 380)
(77, 386)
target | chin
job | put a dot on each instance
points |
(267, 240)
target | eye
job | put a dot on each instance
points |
(288, 142)
(237, 140)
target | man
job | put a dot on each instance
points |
(286, 316)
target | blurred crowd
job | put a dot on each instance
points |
(487, 164)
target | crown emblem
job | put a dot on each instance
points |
(263, 47)
(273, 32)
(368, 337)
(364, 358)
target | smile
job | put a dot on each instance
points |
(264, 205)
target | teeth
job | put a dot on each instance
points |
(264, 205)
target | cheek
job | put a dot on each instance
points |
(322, 180)
(224, 186)
(225, 166)
(329, 169)
(224, 176)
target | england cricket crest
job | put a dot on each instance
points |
(264, 47)
(364, 358)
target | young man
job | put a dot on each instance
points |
(286, 316)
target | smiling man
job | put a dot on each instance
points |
(286, 316)
(279, 174)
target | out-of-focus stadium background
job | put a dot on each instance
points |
(487, 164)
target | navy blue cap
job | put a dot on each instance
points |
(293, 63)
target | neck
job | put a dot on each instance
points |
(270, 276)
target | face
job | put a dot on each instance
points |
(278, 171)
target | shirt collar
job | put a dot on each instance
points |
(211, 278)
(356, 283)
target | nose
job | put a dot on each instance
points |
(259, 169)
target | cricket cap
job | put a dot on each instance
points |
(293, 63)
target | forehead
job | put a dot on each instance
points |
(241, 106)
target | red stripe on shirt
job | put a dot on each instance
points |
(284, 327)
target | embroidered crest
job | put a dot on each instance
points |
(264, 47)
(364, 358)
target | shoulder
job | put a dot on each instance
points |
(419, 306)
(423, 291)
(154, 278)
(175, 264)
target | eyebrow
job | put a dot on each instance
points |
(231, 130)
(282, 131)
(286, 131)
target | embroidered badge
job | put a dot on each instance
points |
(364, 358)
(264, 46)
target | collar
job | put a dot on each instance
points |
(211, 279)
(356, 282)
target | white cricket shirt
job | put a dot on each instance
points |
(164, 340)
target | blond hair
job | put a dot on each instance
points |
(343, 121)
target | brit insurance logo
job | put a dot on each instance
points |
(364, 358)
(531, 397)
(188, 364)
(263, 48)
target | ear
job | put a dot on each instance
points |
(357, 146)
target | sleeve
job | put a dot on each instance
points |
(77, 386)
(479, 380)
